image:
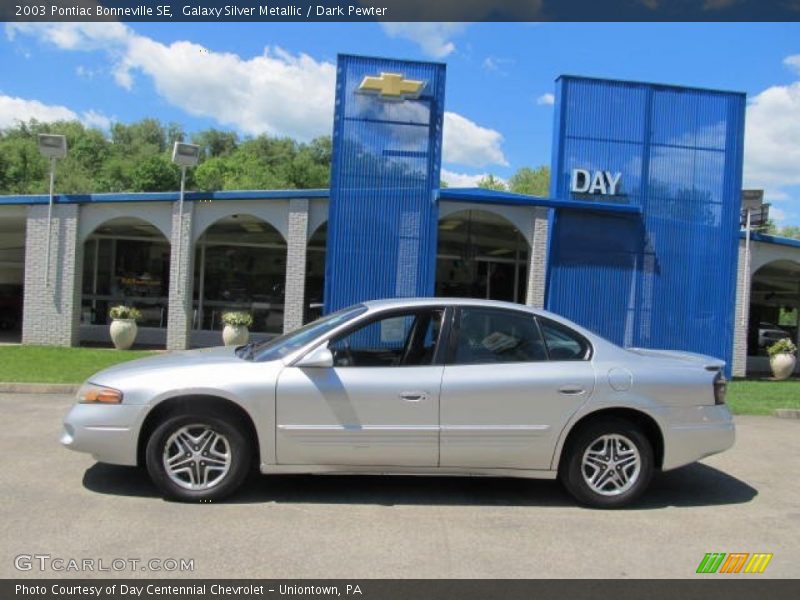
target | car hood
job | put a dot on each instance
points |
(167, 361)
(709, 362)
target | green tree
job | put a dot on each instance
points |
(490, 182)
(790, 231)
(534, 182)
(155, 174)
(212, 174)
(215, 142)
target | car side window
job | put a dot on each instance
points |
(562, 342)
(497, 336)
(398, 339)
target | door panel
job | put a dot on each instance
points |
(359, 416)
(509, 415)
(504, 401)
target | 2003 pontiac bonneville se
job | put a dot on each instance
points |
(411, 386)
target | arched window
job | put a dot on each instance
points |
(481, 255)
(240, 264)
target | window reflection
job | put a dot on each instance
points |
(240, 264)
(126, 261)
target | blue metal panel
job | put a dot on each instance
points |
(485, 196)
(667, 278)
(382, 221)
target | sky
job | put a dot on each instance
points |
(278, 79)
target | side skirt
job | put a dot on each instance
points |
(395, 470)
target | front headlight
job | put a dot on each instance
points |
(89, 393)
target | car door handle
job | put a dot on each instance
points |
(571, 390)
(413, 396)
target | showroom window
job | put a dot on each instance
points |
(399, 339)
(481, 255)
(240, 265)
(497, 336)
(126, 261)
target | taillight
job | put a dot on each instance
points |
(720, 388)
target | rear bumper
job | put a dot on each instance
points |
(696, 432)
(108, 432)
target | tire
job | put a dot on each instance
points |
(594, 482)
(210, 457)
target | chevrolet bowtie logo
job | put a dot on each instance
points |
(392, 86)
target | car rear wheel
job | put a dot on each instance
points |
(198, 458)
(608, 464)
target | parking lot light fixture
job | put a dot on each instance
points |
(54, 147)
(183, 155)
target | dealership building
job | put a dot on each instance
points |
(638, 240)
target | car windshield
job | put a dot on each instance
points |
(289, 342)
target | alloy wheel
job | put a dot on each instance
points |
(196, 457)
(611, 465)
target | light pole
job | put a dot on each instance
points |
(51, 146)
(183, 155)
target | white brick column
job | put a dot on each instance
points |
(181, 278)
(742, 316)
(537, 236)
(51, 305)
(297, 243)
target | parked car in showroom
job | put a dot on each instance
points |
(410, 386)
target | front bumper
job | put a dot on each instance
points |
(696, 432)
(109, 433)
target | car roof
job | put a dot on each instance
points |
(412, 302)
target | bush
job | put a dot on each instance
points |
(124, 312)
(784, 346)
(237, 319)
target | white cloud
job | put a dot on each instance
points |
(458, 180)
(546, 100)
(277, 92)
(777, 215)
(772, 138)
(92, 118)
(432, 38)
(793, 62)
(496, 64)
(14, 109)
(467, 143)
(772, 143)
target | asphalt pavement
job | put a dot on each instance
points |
(63, 505)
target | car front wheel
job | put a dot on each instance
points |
(198, 458)
(608, 465)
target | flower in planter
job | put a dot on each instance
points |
(237, 319)
(235, 332)
(782, 346)
(123, 328)
(125, 312)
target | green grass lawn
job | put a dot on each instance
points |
(47, 364)
(762, 397)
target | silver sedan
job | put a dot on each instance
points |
(411, 386)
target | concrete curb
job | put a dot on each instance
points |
(787, 413)
(38, 388)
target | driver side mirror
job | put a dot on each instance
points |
(319, 358)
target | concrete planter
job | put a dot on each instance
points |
(123, 333)
(235, 335)
(782, 365)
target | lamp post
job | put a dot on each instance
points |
(183, 155)
(51, 146)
